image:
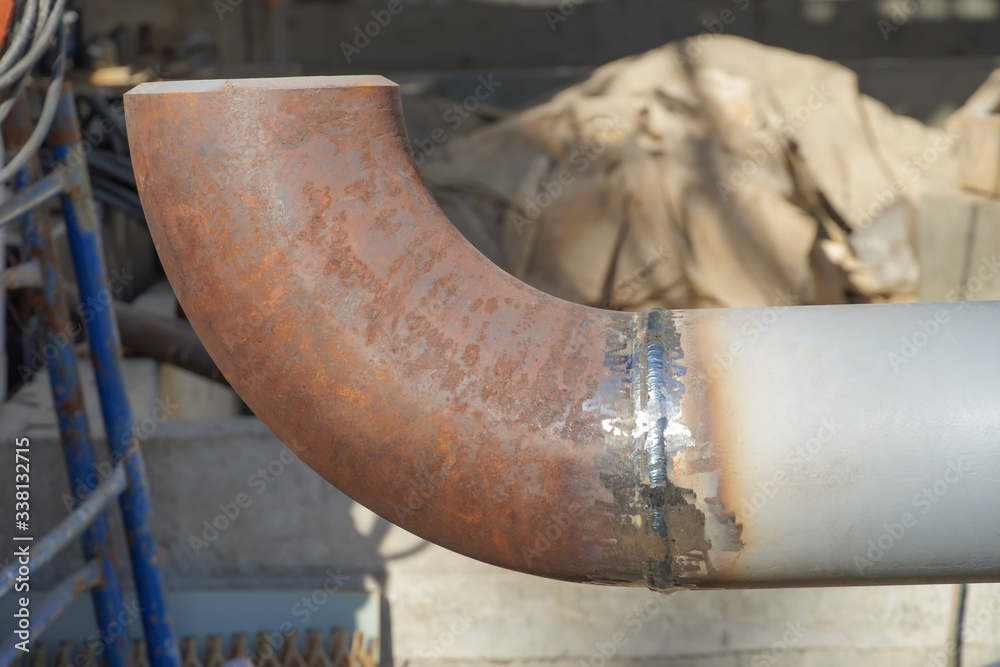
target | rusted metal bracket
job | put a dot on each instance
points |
(685, 449)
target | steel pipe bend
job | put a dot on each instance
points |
(669, 449)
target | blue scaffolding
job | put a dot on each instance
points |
(70, 182)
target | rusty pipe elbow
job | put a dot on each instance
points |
(383, 349)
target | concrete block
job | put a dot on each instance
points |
(31, 408)
(958, 246)
(978, 123)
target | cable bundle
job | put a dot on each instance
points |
(39, 21)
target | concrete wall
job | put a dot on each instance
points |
(235, 28)
(922, 62)
(472, 35)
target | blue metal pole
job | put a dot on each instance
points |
(67, 396)
(84, 234)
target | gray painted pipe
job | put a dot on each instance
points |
(854, 444)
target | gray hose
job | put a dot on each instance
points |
(48, 110)
(21, 35)
(41, 43)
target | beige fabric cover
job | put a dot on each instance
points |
(710, 172)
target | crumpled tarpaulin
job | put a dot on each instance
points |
(713, 171)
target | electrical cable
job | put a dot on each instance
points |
(52, 23)
(48, 113)
(21, 35)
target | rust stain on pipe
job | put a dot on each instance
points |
(397, 361)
